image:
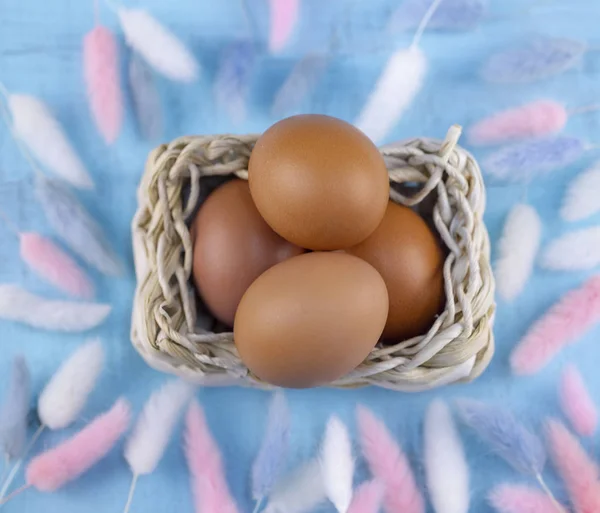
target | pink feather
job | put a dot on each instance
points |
(535, 119)
(574, 314)
(389, 465)
(101, 68)
(54, 265)
(580, 474)
(367, 498)
(56, 467)
(576, 402)
(284, 14)
(508, 498)
(209, 486)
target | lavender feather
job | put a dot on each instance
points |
(510, 439)
(145, 98)
(75, 226)
(302, 79)
(15, 410)
(271, 457)
(232, 83)
(451, 15)
(523, 161)
(536, 60)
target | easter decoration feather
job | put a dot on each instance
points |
(14, 411)
(273, 451)
(145, 98)
(34, 126)
(300, 492)
(581, 198)
(536, 119)
(19, 305)
(511, 498)
(337, 464)
(508, 438)
(159, 47)
(64, 463)
(153, 430)
(51, 263)
(519, 163)
(389, 465)
(452, 15)
(446, 470)
(65, 395)
(534, 60)
(75, 226)
(54, 265)
(232, 82)
(284, 16)
(574, 251)
(209, 485)
(397, 86)
(565, 322)
(297, 86)
(577, 403)
(517, 249)
(579, 472)
(103, 81)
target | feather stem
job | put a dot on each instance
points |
(19, 463)
(421, 28)
(131, 493)
(18, 491)
(548, 492)
(584, 109)
(259, 503)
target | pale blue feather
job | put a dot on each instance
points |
(451, 15)
(270, 461)
(145, 98)
(74, 225)
(536, 60)
(14, 411)
(525, 161)
(233, 79)
(510, 439)
(297, 86)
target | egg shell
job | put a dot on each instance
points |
(409, 258)
(311, 319)
(232, 245)
(319, 182)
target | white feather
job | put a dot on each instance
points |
(517, 249)
(66, 393)
(337, 464)
(154, 427)
(582, 197)
(157, 45)
(300, 492)
(574, 251)
(401, 80)
(18, 305)
(34, 125)
(446, 469)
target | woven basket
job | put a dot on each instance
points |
(173, 331)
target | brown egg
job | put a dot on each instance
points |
(311, 320)
(319, 182)
(406, 253)
(232, 247)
